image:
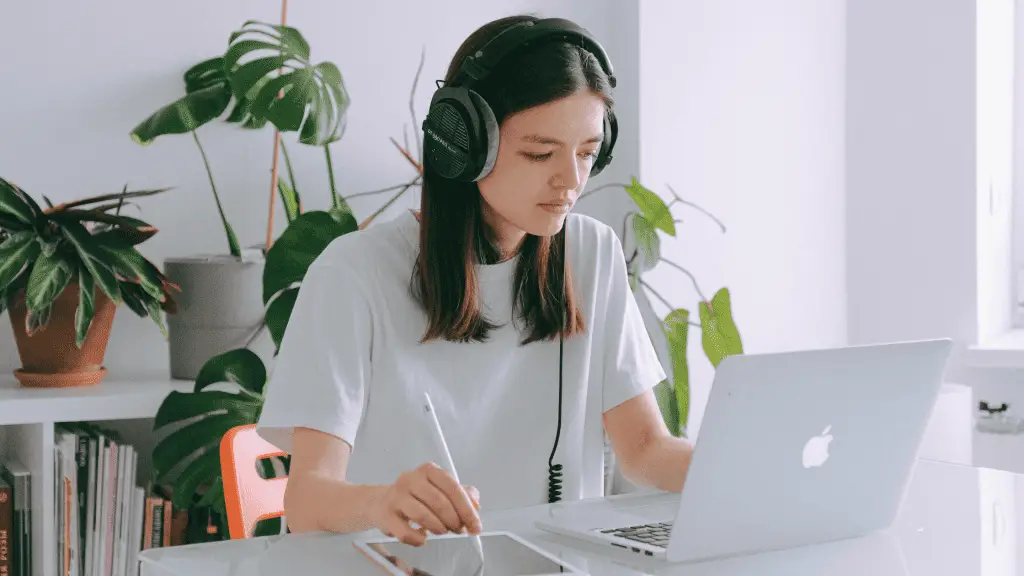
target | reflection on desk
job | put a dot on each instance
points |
(955, 521)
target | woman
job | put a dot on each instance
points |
(466, 300)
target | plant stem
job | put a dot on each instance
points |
(663, 301)
(335, 202)
(387, 204)
(700, 294)
(694, 206)
(372, 192)
(291, 174)
(232, 243)
(412, 109)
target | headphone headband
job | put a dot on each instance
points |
(477, 66)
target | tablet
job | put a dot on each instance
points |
(505, 554)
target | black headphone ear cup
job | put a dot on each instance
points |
(454, 135)
(604, 155)
(490, 136)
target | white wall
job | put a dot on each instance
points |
(85, 74)
(742, 111)
(911, 196)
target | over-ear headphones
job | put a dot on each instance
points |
(460, 130)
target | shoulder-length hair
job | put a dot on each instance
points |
(454, 238)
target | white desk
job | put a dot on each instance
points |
(956, 521)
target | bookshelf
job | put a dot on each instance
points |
(27, 423)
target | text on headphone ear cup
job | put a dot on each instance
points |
(452, 135)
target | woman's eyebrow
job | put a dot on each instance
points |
(538, 139)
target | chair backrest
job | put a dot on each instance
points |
(248, 497)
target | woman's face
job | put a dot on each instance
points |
(544, 158)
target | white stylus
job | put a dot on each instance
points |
(447, 464)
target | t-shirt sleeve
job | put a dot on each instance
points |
(322, 370)
(631, 365)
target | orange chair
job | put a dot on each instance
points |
(248, 497)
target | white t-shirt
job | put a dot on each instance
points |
(351, 365)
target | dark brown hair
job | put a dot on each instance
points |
(454, 237)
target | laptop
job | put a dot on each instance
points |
(795, 448)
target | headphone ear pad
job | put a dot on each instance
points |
(604, 155)
(491, 134)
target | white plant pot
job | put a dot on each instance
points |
(220, 308)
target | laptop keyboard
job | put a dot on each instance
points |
(656, 534)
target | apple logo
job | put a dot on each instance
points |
(816, 449)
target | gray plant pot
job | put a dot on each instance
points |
(220, 308)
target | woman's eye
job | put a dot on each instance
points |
(537, 157)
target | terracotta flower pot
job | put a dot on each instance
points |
(50, 358)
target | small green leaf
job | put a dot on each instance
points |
(677, 325)
(721, 338)
(240, 366)
(653, 207)
(290, 199)
(48, 278)
(207, 73)
(85, 245)
(16, 255)
(297, 247)
(16, 203)
(647, 241)
(278, 313)
(667, 405)
(35, 320)
(86, 305)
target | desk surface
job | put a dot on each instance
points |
(956, 521)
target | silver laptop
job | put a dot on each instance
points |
(795, 448)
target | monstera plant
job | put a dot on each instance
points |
(229, 389)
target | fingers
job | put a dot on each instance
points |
(400, 529)
(474, 495)
(458, 498)
(438, 503)
(423, 514)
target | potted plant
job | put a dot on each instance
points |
(221, 303)
(719, 334)
(63, 271)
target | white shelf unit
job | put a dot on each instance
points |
(27, 420)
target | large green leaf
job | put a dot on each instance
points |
(15, 203)
(184, 114)
(16, 255)
(204, 470)
(653, 207)
(85, 245)
(297, 247)
(278, 313)
(677, 325)
(86, 304)
(240, 366)
(179, 406)
(721, 338)
(264, 61)
(48, 278)
(203, 433)
(648, 242)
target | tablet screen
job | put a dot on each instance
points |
(503, 556)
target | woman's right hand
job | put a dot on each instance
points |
(430, 497)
